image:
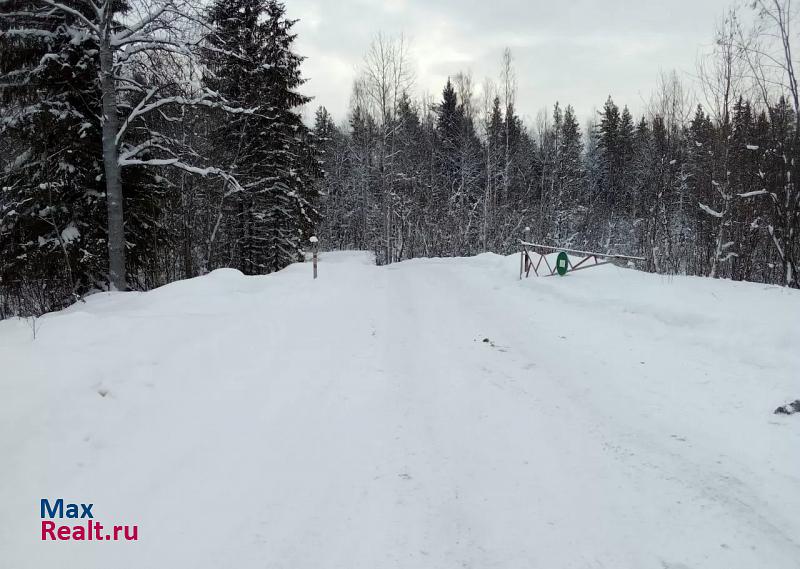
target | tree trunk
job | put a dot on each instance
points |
(116, 229)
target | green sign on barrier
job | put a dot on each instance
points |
(562, 263)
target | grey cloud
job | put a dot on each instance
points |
(575, 52)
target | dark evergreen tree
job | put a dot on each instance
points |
(361, 152)
(337, 203)
(571, 176)
(702, 157)
(610, 151)
(781, 221)
(52, 210)
(624, 157)
(271, 152)
(447, 122)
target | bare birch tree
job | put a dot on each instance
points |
(386, 75)
(722, 74)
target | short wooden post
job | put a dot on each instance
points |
(523, 265)
(315, 248)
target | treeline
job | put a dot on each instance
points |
(145, 142)
(705, 189)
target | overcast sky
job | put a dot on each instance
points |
(573, 51)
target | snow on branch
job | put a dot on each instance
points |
(161, 18)
(72, 12)
(206, 99)
(709, 211)
(26, 33)
(752, 194)
(137, 111)
(226, 52)
(129, 33)
(180, 165)
(162, 46)
(134, 151)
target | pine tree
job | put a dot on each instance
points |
(570, 154)
(626, 131)
(625, 155)
(332, 189)
(324, 128)
(363, 139)
(702, 163)
(609, 143)
(642, 184)
(409, 175)
(53, 212)
(459, 179)
(271, 151)
(493, 156)
(447, 123)
(782, 217)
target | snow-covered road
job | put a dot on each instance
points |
(430, 414)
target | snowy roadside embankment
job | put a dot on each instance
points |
(613, 419)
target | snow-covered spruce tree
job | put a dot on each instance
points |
(641, 175)
(48, 185)
(141, 52)
(364, 136)
(461, 171)
(336, 207)
(520, 175)
(610, 146)
(52, 212)
(410, 176)
(493, 150)
(271, 152)
(703, 160)
(570, 177)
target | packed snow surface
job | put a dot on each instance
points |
(429, 414)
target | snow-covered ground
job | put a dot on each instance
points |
(613, 419)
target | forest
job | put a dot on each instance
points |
(147, 141)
